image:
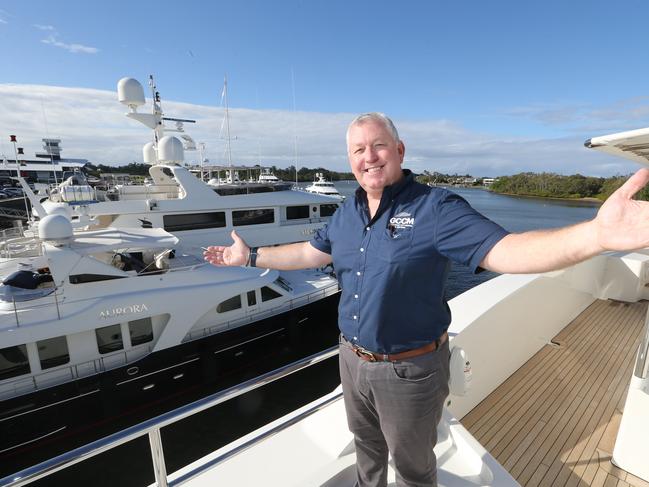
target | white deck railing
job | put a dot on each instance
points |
(153, 426)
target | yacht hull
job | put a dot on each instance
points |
(36, 426)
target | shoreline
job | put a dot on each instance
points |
(557, 198)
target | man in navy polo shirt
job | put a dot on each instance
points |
(391, 246)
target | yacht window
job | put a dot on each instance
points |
(141, 331)
(13, 361)
(267, 294)
(253, 217)
(109, 338)
(328, 209)
(193, 221)
(297, 212)
(53, 352)
(229, 304)
(81, 278)
(252, 298)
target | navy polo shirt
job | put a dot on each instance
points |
(392, 269)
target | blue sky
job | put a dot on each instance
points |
(497, 86)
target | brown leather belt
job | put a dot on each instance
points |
(394, 357)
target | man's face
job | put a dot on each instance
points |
(375, 157)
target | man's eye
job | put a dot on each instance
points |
(358, 151)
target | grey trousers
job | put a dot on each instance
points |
(395, 407)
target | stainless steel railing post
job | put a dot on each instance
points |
(640, 369)
(158, 458)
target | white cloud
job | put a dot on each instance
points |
(73, 48)
(2, 21)
(92, 125)
(44, 27)
(623, 114)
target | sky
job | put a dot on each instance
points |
(485, 88)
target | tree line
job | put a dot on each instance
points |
(551, 185)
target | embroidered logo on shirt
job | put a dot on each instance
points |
(402, 220)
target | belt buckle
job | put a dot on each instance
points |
(360, 351)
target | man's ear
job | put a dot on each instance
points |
(401, 150)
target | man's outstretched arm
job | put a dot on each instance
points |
(622, 223)
(300, 255)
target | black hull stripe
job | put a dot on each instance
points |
(48, 405)
(248, 341)
(35, 439)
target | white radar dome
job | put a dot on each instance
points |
(130, 92)
(54, 227)
(170, 149)
(148, 153)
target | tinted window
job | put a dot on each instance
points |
(141, 331)
(194, 221)
(267, 294)
(252, 299)
(328, 209)
(229, 304)
(13, 361)
(297, 212)
(109, 338)
(53, 352)
(253, 217)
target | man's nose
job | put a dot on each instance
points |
(371, 155)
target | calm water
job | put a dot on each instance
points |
(203, 433)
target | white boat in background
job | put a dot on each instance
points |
(266, 176)
(321, 186)
(177, 201)
(552, 358)
(102, 310)
(127, 316)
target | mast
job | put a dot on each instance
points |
(17, 151)
(158, 131)
(227, 126)
(294, 125)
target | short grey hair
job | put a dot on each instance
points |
(374, 117)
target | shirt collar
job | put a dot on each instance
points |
(392, 190)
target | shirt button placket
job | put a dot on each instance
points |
(359, 274)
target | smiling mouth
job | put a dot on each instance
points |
(373, 169)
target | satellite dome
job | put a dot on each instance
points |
(148, 153)
(170, 149)
(54, 227)
(130, 92)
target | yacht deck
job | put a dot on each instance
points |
(554, 421)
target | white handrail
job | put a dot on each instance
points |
(152, 428)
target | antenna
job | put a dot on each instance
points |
(294, 124)
(17, 151)
(156, 111)
(47, 134)
(227, 119)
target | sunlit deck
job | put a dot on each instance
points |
(554, 421)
